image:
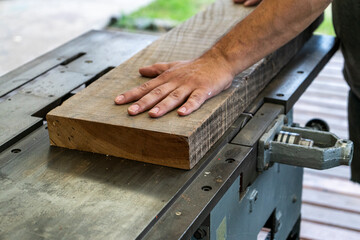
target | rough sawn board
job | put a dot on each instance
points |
(90, 121)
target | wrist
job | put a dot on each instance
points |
(219, 59)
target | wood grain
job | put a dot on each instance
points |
(90, 121)
(331, 217)
(342, 172)
(330, 205)
(24, 109)
(331, 185)
(311, 230)
(331, 200)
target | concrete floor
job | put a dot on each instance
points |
(29, 28)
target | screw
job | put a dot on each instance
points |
(16, 150)
(206, 188)
(230, 160)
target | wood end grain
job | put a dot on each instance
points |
(136, 144)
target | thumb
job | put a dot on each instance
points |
(155, 69)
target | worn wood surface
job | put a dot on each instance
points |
(331, 200)
(90, 121)
(333, 185)
(24, 108)
(342, 172)
(330, 205)
(331, 189)
(331, 217)
(316, 231)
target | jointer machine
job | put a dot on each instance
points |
(250, 179)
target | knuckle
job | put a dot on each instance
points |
(165, 74)
(175, 94)
(144, 87)
(196, 97)
(163, 105)
(157, 92)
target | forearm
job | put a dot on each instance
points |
(268, 27)
(272, 24)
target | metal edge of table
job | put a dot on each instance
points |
(175, 224)
(83, 60)
(246, 152)
(287, 87)
(32, 137)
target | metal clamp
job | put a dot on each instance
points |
(302, 147)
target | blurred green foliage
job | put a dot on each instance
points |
(180, 10)
(175, 10)
(327, 26)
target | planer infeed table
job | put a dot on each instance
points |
(237, 188)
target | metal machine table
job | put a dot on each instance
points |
(55, 193)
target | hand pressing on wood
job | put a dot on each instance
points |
(272, 24)
(248, 3)
(192, 82)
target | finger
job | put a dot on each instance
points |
(239, 1)
(138, 92)
(196, 99)
(174, 99)
(249, 3)
(155, 69)
(152, 98)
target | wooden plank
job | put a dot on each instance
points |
(331, 217)
(325, 103)
(320, 93)
(333, 86)
(23, 110)
(331, 200)
(90, 121)
(325, 112)
(340, 172)
(310, 230)
(335, 185)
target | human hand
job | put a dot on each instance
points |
(192, 82)
(248, 3)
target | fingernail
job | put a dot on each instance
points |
(119, 98)
(182, 109)
(154, 110)
(134, 108)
